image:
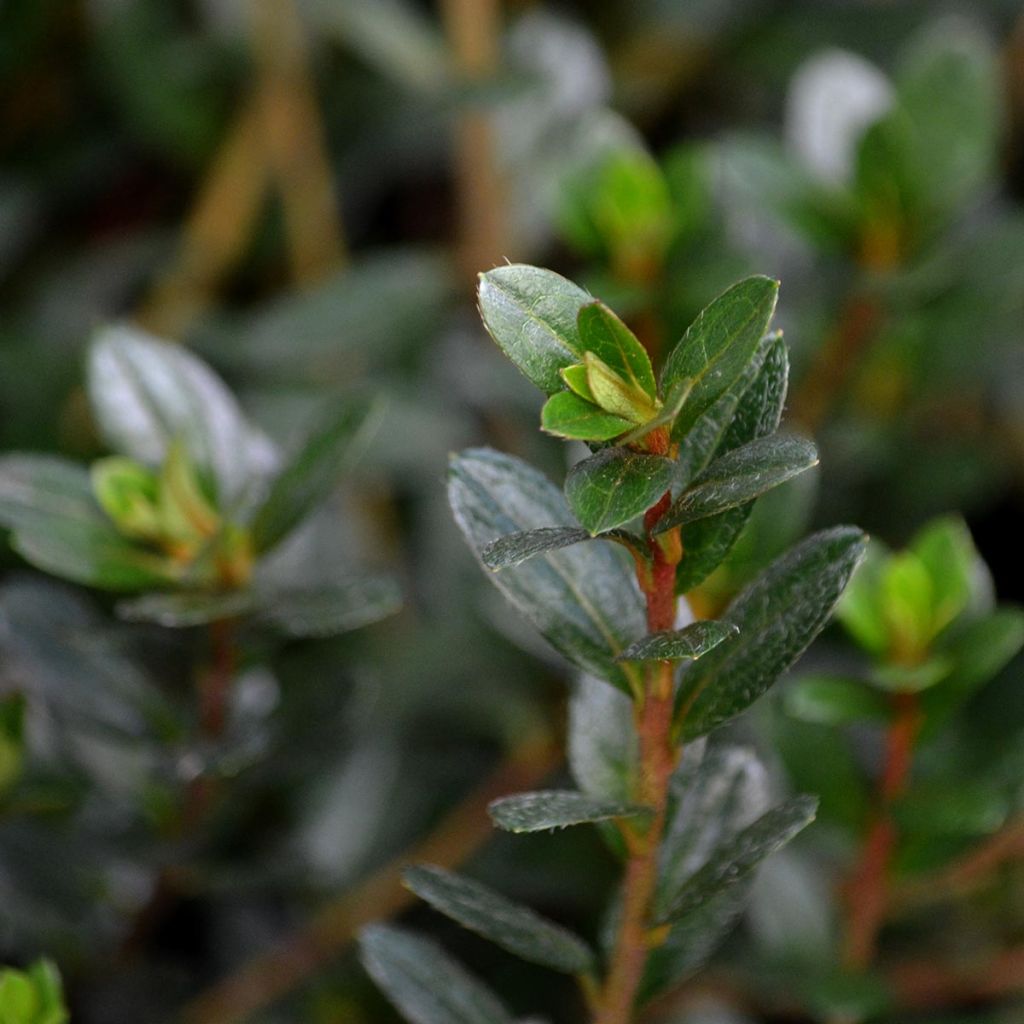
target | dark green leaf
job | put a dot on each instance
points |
(311, 476)
(614, 486)
(59, 527)
(555, 808)
(569, 416)
(734, 859)
(147, 393)
(778, 616)
(515, 928)
(602, 741)
(718, 345)
(531, 313)
(835, 700)
(424, 983)
(584, 599)
(740, 476)
(962, 809)
(686, 644)
(604, 334)
(516, 548)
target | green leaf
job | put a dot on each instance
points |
(569, 416)
(718, 345)
(937, 810)
(34, 996)
(515, 928)
(12, 739)
(734, 859)
(60, 528)
(686, 644)
(332, 608)
(860, 610)
(922, 675)
(147, 393)
(531, 313)
(129, 494)
(946, 551)
(423, 982)
(615, 395)
(183, 609)
(778, 615)
(584, 599)
(604, 334)
(575, 378)
(516, 548)
(835, 700)
(602, 742)
(614, 486)
(740, 476)
(310, 477)
(555, 808)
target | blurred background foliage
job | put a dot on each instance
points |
(301, 192)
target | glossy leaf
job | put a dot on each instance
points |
(584, 599)
(778, 615)
(516, 548)
(835, 700)
(569, 416)
(555, 808)
(604, 334)
(423, 982)
(718, 345)
(615, 486)
(311, 476)
(531, 313)
(686, 644)
(734, 859)
(515, 928)
(738, 477)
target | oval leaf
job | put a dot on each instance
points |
(685, 644)
(604, 334)
(516, 548)
(555, 808)
(569, 416)
(614, 486)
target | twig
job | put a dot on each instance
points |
(273, 974)
(928, 984)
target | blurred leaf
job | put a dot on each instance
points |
(555, 808)
(34, 996)
(734, 859)
(314, 472)
(963, 809)
(860, 609)
(738, 477)
(911, 678)
(332, 608)
(615, 486)
(12, 740)
(185, 608)
(945, 548)
(583, 599)
(602, 743)
(58, 527)
(569, 416)
(129, 494)
(426, 985)
(515, 928)
(146, 394)
(718, 345)
(834, 700)
(686, 644)
(778, 616)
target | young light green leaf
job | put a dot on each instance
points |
(835, 700)
(738, 477)
(607, 337)
(614, 486)
(734, 859)
(423, 982)
(531, 313)
(778, 615)
(575, 378)
(584, 599)
(34, 996)
(615, 395)
(718, 345)
(945, 549)
(569, 416)
(555, 808)
(128, 493)
(147, 393)
(515, 928)
(59, 527)
(516, 548)
(686, 644)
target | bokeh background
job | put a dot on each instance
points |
(302, 192)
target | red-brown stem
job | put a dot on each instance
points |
(215, 681)
(657, 761)
(868, 890)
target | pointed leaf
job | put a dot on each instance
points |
(531, 313)
(515, 928)
(423, 982)
(584, 599)
(616, 395)
(516, 548)
(555, 808)
(569, 416)
(740, 476)
(731, 862)
(604, 334)
(614, 486)
(778, 616)
(314, 472)
(685, 644)
(575, 377)
(718, 345)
